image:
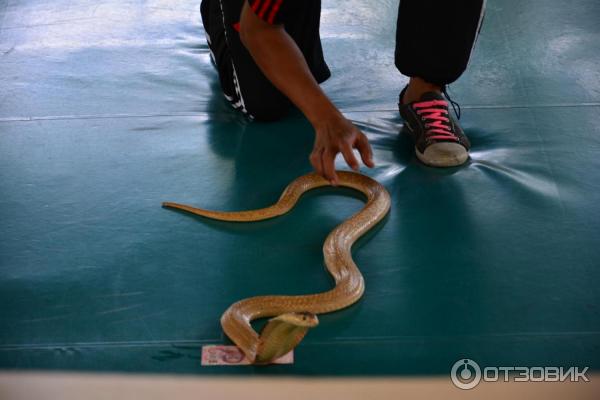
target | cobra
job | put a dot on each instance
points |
(292, 316)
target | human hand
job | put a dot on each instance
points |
(338, 135)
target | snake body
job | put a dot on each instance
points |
(294, 315)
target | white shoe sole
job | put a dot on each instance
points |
(443, 154)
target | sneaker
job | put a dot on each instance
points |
(439, 140)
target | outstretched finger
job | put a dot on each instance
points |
(364, 148)
(349, 156)
(329, 167)
(316, 160)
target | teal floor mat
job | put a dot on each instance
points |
(109, 108)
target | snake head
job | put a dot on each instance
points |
(282, 333)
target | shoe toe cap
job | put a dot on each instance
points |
(444, 154)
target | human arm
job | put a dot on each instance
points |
(282, 62)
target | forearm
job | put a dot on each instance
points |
(282, 62)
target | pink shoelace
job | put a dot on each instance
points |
(437, 123)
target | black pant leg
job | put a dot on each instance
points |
(212, 21)
(434, 39)
(243, 83)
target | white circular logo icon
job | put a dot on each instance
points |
(465, 374)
